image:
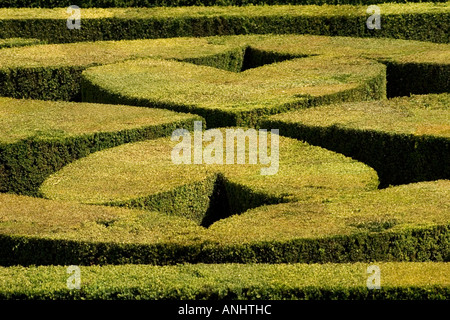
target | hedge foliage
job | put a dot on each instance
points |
(322, 207)
(399, 281)
(176, 3)
(144, 175)
(38, 138)
(404, 139)
(428, 20)
(53, 71)
(226, 98)
(404, 223)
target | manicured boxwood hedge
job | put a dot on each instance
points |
(228, 99)
(405, 223)
(143, 175)
(428, 20)
(55, 75)
(35, 141)
(53, 71)
(399, 281)
(176, 3)
(404, 139)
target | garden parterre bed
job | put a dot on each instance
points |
(404, 223)
(404, 139)
(306, 223)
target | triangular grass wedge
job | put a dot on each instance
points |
(144, 175)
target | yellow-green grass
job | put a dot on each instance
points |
(200, 88)
(145, 170)
(215, 11)
(416, 115)
(404, 223)
(416, 281)
(22, 119)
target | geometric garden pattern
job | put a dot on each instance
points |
(87, 179)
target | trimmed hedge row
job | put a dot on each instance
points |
(176, 3)
(420, 244)
(429, 22)
(405, 79)
(26, 74)
(364, 227)
(229, 281)
(27, 162)
(398, 157)
(42, 83)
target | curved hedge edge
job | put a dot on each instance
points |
(397, 158)
(26, 164)
(372, 89)
(419, 244)
(421, 26)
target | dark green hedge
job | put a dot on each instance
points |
(26, 164)
(397, 158)
(61, 83)
(404, 79)
(424, 244)
(176, 3)
(255, 292)
(418, 26)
